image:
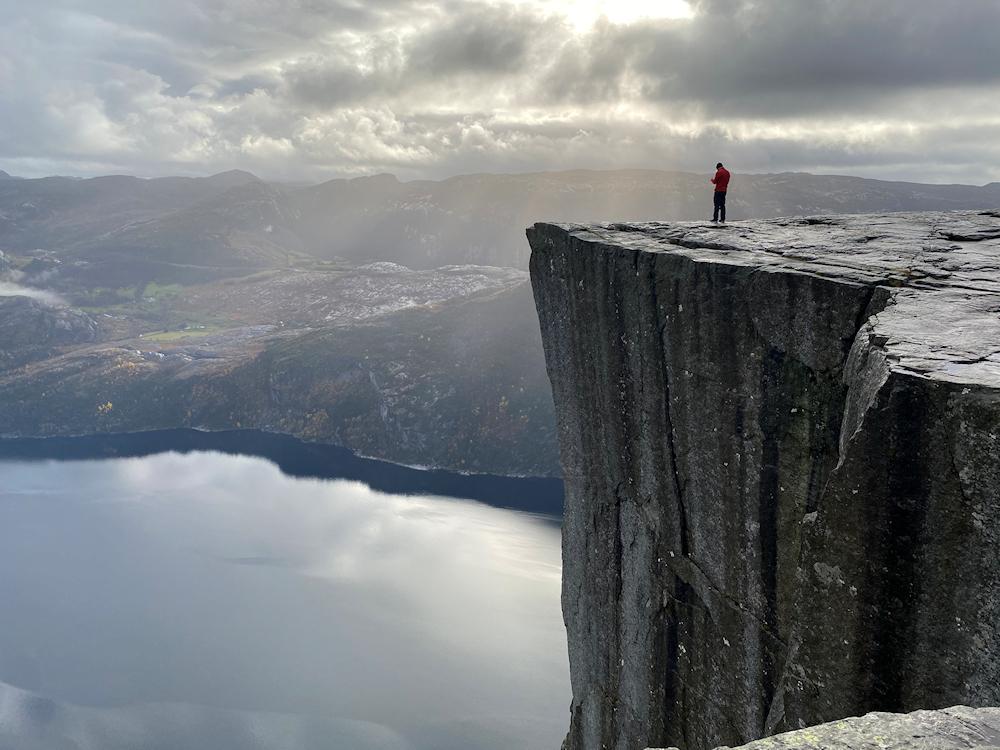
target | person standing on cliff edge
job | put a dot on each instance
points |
(721, 182)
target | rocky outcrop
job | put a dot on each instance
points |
(958, 728)
(782, 461)
(31, 330)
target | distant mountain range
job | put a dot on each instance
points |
(393, 318)
(187, 229)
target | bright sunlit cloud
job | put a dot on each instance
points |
(583, 14)
(432, 88)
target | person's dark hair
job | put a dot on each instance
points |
(718, 165)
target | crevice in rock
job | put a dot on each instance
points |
(893, 590)
(673, 695)
(854, 373)
(725, 600)
(980, 236)
(678, 485)
(812, 221)
(772, 418)
(865, 313)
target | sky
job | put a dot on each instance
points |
(313, 89)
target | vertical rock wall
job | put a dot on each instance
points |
(768, 524)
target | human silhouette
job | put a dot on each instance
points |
(721, 182)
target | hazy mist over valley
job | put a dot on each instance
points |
(393, 318)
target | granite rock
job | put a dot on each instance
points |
(957, 728)
(781, 447)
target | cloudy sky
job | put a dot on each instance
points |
(309, 89)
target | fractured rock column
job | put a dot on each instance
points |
(904, 546)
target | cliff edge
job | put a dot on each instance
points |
(782, 460)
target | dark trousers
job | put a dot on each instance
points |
(720, 207)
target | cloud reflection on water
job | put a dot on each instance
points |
(217, 581)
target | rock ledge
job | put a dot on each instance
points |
(781, 445)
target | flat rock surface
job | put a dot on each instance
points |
(957, 728)
(946, 266)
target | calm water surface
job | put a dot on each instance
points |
(210, 601)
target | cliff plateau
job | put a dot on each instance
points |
(782, 463)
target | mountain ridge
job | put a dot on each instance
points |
(474, 218)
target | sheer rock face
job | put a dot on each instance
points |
(781, 446)
(958, 728)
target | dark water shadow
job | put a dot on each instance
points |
(296, 458)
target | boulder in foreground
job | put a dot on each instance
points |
(958, 728)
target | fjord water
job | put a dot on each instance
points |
(211, 601)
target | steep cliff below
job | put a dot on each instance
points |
(782, 462)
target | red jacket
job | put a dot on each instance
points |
(721, 180)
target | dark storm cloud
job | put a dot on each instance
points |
(842, 46)
(309, 88)
(329, 81)
(753, 57)
(485, 42)
(593, 69)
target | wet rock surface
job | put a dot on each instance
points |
(782, 463)
(957, 728)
